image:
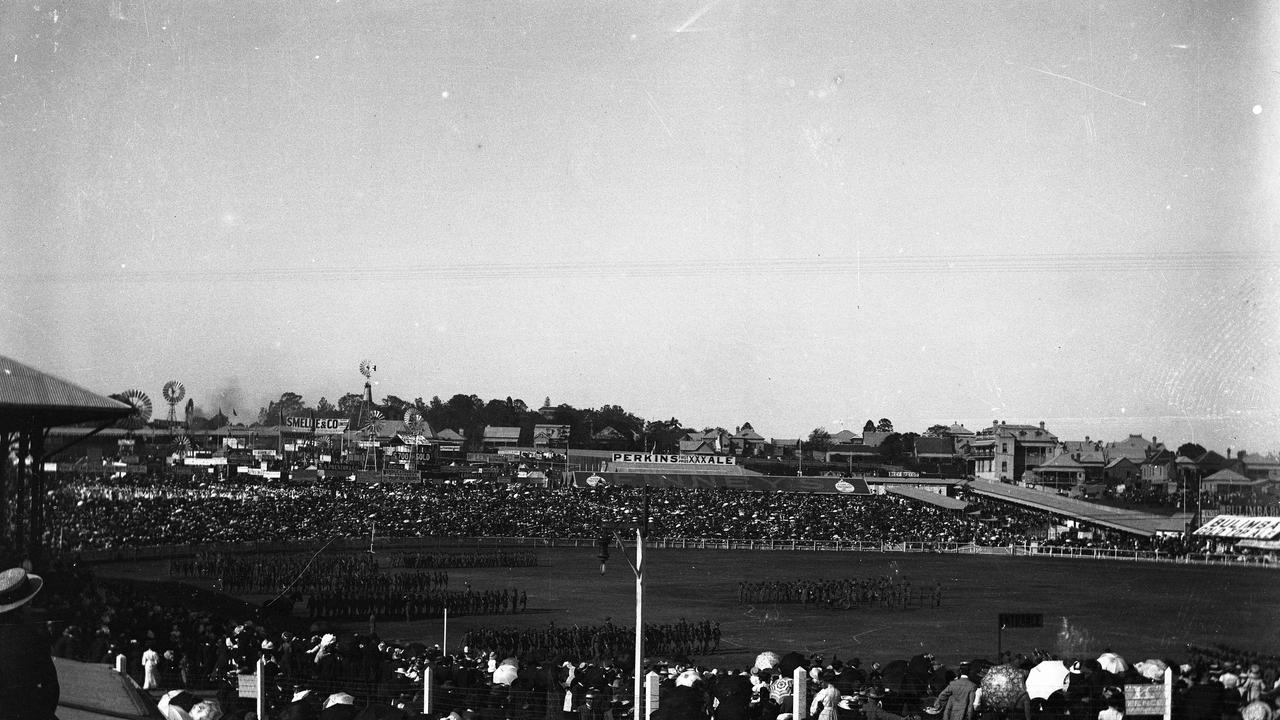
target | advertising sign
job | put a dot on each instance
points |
(321, 426)
(622, 457)
(782, 483)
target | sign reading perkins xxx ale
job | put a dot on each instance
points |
(322, 426)
(620, 457)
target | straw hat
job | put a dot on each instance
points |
(17, 587)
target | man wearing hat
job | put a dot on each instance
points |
(873, 707)
(28, 681)
(956, 700)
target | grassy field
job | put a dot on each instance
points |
(1136, 609)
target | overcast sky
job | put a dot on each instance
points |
(793, 214)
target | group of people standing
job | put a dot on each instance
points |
(885, 591)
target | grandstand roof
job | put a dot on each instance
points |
(89, 691)
(29, 397)
(1125, 520)
(927, 496)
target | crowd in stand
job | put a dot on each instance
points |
(88, 516)
(846, 594)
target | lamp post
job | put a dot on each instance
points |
(637, 567)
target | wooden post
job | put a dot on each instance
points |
(426, 690)
(651, 682)
(800, 693)
(1168, 693)
(260, 682)
(122, 664)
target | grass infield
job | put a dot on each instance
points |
(1138, 610)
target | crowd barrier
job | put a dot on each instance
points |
(171, 552)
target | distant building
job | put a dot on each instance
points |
(960, 433)
(611, 438)
(1134, 447)
(498, 436)
(550, 435)
(874, 438)
(845, 437)
(786, 448)
(1259, 467)
(1004, 452)
(746, 441)
(717, 440)
(935, 452)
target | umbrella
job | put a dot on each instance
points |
(893, 674)
(177, 704)
(1151, 669)
(1046, 678)
(978, 668)
(1001, 686)
(1112, 663)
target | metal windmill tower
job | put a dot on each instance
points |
(173, 393)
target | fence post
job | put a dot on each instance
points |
(260, 681)
(122, 664)
(650, 697)
(800, 694)
(426, 690)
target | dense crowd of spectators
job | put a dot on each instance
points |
(583, 673)
(89, 516)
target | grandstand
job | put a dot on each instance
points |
(1132, 522)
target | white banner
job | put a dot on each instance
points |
(321, 426)
(1241, 526)
(620, 457)
(204, 461)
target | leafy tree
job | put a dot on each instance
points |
(1190, 450)
(869, 427)
(819, 439)
(349, 405)
(393, 407)
(937, 431)
(885, 425)
(662, 435)
(325, 408)
(289, 404)
(899, 448)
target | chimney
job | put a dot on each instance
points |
(1041, 424)
(1154, 439)
(1228, 452)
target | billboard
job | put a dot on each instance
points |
(708, 481)
(321, 426)
(654, 458)
(1241, 526)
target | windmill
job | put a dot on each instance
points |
(173, 393)
(363, 420)
(371, 439)
(366, 399)
(141, 405)
(414, 425)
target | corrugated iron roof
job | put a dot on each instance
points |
(29, 396)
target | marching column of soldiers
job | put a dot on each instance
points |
(681, 639)
(886, 592)
(363, 602)
(268, 574)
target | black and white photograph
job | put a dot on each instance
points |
(674, 360)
